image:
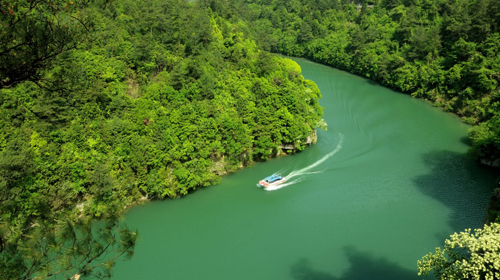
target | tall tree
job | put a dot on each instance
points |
(36, 31)
(73, 248)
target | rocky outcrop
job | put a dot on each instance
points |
(219, 166)
(494, 163)
(312, 138)
(287, 147)
(290, 148)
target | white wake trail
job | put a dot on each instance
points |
(320, 161)
(304, 171)
(277, 187)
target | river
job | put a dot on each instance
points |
(385, 185)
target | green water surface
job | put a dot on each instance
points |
(396, 184)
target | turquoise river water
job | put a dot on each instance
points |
(385, 185)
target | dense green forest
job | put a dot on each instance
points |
(122, 101)
(104, 103)
(444, 51)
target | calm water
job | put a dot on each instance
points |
(389, 182)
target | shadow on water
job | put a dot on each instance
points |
(373, 83)
(466, 140)
(362, 267)
(460, 184)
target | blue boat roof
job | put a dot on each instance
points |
(273, 178)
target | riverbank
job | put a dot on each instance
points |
(221, 168)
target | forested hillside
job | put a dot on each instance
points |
(129, 100)
(445, 51)
(104, 103)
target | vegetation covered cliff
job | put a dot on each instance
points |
(152, 99)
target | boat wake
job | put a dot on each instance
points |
(306, 170)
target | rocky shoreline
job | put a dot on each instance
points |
(219, 166)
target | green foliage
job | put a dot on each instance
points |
(486, 139)
(73, 247)
(33, 32)
(466, 255)
(165, 98)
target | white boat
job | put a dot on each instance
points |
(272, 180)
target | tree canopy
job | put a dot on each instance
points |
(466, 255)
(34, 32)
(102, 107)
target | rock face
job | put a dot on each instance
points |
(285, 148)
(495, 163)
(313, 138)
(219, 166)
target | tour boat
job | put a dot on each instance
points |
(272, 180)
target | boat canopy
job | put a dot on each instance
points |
(272, 178)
